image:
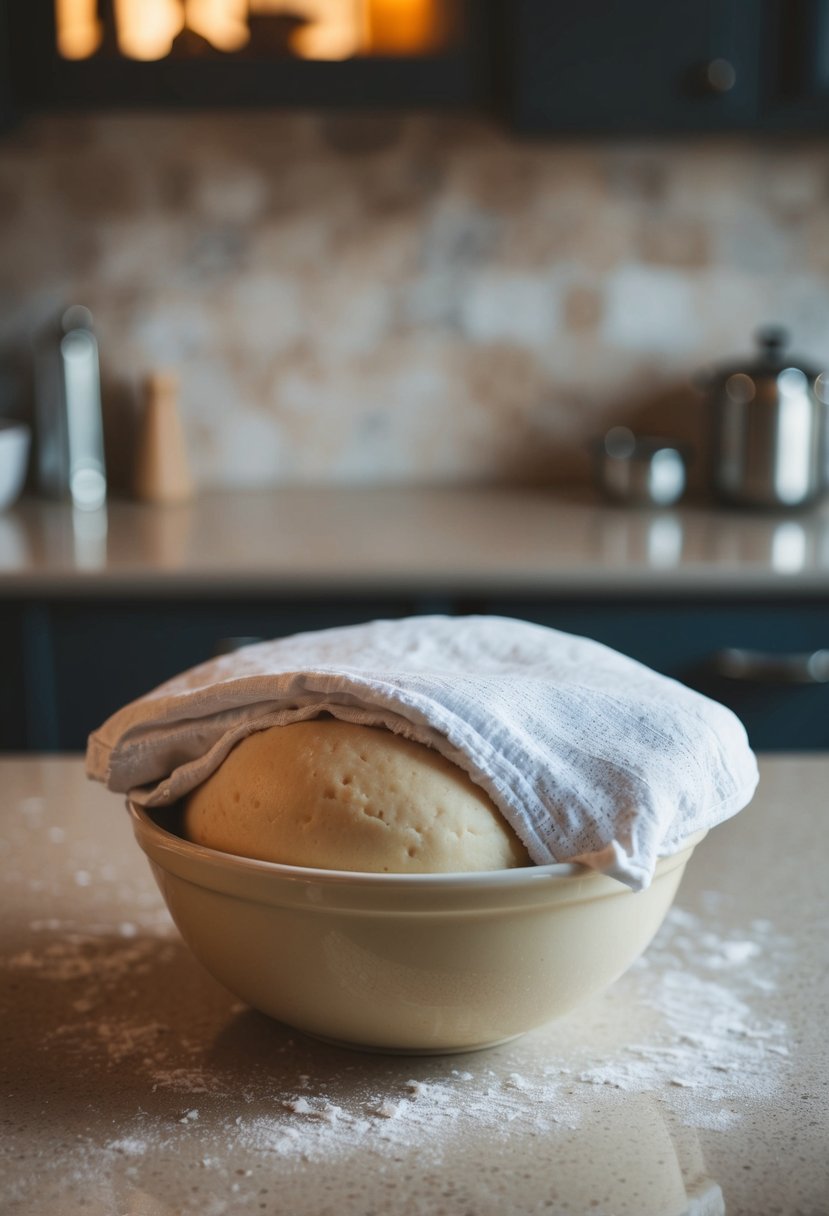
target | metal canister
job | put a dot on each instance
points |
(639, 470)
(769, 428)
(70, 439)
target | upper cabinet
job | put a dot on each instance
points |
(796, 91)
(545, 66)
(643, 66)
(659, 66)
(101, 53)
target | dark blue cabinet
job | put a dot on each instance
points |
(68, 664)
(795, 89)
(645, 66)
(782, 699)
(14, 728)
(79, 661)
(547, 66)
(659, 66)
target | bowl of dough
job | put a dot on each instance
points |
(359, 887)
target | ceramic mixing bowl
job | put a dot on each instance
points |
(416, 963)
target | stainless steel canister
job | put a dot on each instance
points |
(769, 428)
(70, 439)
(639, 470)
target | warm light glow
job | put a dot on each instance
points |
(328, 29)
(79, 31)
(404, 27)
(334, 29)
(147, 28)
(222, 22)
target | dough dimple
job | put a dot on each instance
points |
(336, 795)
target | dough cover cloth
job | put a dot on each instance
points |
(589, 755)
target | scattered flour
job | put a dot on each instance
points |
(131, 1145)
(685, 1025)
(193, 1080)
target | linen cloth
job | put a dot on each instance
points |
(590, 756)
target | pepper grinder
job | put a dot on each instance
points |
(162, 472)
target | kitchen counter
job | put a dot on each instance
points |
(324, 539)
(131, 1082)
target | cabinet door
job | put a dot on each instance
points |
(795, 75)
(13, 711)
(783, 705)
(643, 66)
(6, 98)
(85, 661)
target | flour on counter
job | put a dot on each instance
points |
(90, 956)
(706, 1047)
(686, 1025)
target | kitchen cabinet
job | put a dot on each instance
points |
(85, 629)
(646, 66)
(266, 71)
(69, 664)
(768, 682)
(545, 66)
(82, 661)
(796, 93)
(15, 729)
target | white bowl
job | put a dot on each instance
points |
(15, 439)
(415, 963)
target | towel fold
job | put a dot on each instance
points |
(589, 755)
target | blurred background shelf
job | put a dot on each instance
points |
(544, 67)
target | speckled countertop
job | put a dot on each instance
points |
(132, 1083)
(387, 539)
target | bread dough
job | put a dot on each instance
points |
(336, 795)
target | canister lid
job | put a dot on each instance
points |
(771, 358)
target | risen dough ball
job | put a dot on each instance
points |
(334, 795)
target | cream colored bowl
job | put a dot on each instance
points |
(414, 963)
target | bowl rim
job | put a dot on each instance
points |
(150, 833)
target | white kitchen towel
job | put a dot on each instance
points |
(589, 755)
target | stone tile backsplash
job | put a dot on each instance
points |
(425, 298)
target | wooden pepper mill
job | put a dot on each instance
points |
(162, 471)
